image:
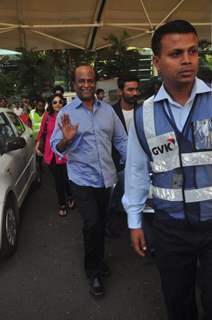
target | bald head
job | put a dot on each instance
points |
(84, 81)
(82, 68)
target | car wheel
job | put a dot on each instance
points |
(9, 228)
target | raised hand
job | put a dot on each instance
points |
(69, 131)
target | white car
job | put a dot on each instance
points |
(17, 173)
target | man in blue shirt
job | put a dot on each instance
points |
(172, 139)
(85, 131)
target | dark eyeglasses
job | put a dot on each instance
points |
(59, 101)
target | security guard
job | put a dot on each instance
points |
(172, 139)
(36, 116)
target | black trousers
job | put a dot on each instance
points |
(59, 172)
(180, 250)
(92, 204)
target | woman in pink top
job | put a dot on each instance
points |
(56, 165)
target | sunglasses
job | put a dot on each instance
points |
(59, 101)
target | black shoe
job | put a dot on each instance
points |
(104, 270)
(96, 287)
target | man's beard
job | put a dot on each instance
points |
(87, 97)
(130, 100)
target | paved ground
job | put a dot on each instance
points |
(45, 280)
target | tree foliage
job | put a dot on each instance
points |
(7, 84)
(109, 62)
(36, 72)
(31, 73)
(205, 53)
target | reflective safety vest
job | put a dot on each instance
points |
(36, 122)
(181, 162)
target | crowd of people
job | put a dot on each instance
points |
(164, 144)
(40, 116)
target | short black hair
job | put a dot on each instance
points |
(40, 99)
(175, 26)
(58, 88)
(98, 91)
(73, 73)
(122, 80)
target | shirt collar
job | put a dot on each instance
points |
(77, 102)
(198, 87)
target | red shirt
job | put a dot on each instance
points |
(48, 153)
(26, 119)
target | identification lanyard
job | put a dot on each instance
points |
(170, 117)
(183, 142)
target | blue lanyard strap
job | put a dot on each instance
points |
(170, 116)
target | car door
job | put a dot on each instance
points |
(11, 163)
(28, 151)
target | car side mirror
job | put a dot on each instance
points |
(11, 144)
(15, 144)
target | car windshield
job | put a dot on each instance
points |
(6, 130)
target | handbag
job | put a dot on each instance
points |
(41, 144)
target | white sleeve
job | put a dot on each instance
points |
(137, 180)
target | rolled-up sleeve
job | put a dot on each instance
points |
(137, 180)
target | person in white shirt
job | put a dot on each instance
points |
(129, 93)
(18, 110)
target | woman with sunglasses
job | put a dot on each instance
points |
(56, 165)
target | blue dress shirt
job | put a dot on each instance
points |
(137, 181)
(89, 154)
